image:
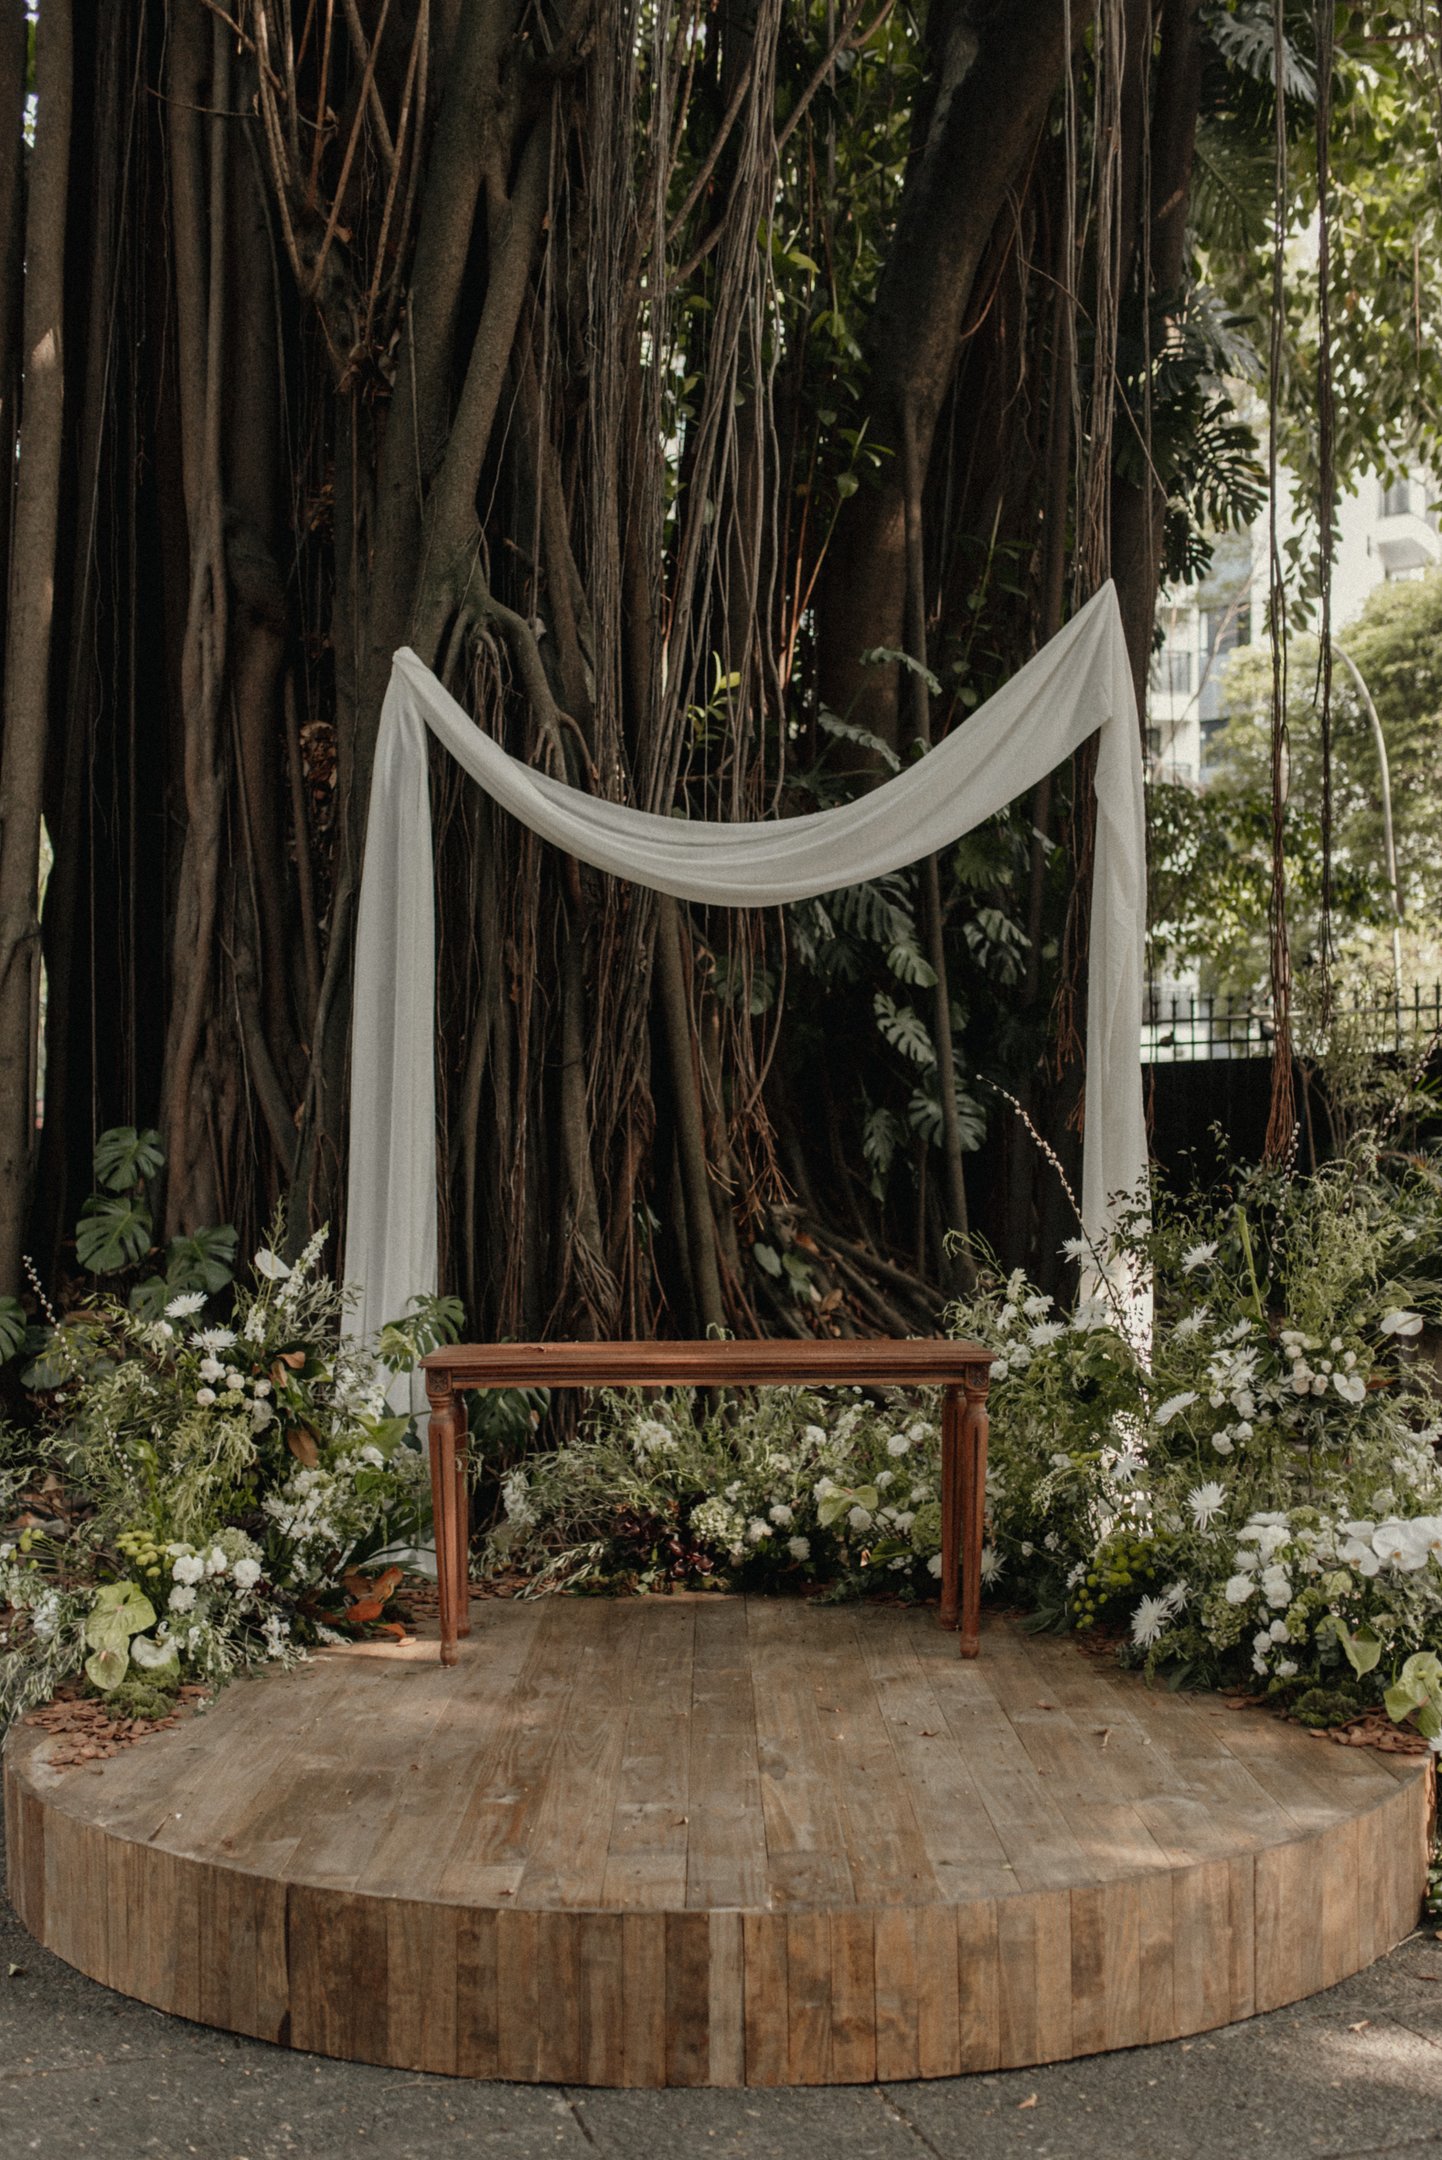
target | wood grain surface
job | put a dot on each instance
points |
(716, 1841)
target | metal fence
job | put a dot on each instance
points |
(1177, 1030)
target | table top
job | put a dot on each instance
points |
(874, 1362)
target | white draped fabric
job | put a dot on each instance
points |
(1080, 683)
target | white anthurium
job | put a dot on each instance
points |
(270, 1265)
(1399, 1321)
(153, 1656)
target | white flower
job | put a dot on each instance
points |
(899, 1444)
(150, 1655)
(189, 1568)
(1036, 1308)
(182, 1598)
(1148, 1621)
(261, 1415)
(813, 1436)
(181, 1308)
(1205, 1501)
(371, 1455)
(1197, 1256)
(1278, 1631)
(1000, 1368)
(213, 1339)
(211, 1369)
(1192, 1323)
(933, 1565)
(1350, 1386)
(781, 1514)
(1238, 1589)
(254, 1331)
(1399, 1545)
(1075, 1248)
(157, 1335)
(260, 1386)
(1046, 1331)
(1286, 1667)
(1174, 1404)
(245, 1574)
(1400, 1322)
(205, 1396)
(991, 1564)
(216, 1562)
(651, 1437)
(859, 1518)
(270, 1265)
(799, 1548)
(758, 1529)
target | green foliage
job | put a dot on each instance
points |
(1211, 852)
(219, 1479)
(773, 1491)
(13, 1326)
(125, 1158)
(113, 1233)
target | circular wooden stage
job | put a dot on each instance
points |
(717, 1841)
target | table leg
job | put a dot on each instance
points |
(953, 1507)
(973, 1452)
(445, 1416)
(462, 1524)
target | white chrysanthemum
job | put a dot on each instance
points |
(1205, 1502)
(1197, 1256)
(1174, 1405)
(1045, 1331)
(1149, 1621)
(898, 1444)
(181, 1308)
(1036, 1308)
(245, 1574)
(799, 1548)
(212, 1340)
(781, 1514)
(859, 1517)
(991, 1564)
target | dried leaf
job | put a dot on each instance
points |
(302, 1446)
(1030, 2101)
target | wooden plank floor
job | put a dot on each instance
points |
(711, 1840)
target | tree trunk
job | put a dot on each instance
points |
(27, 657)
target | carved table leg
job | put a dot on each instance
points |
(446, 1417)
(953, 1504)
(462, 1524)
(973, 1454)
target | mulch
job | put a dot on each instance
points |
(87, 1732)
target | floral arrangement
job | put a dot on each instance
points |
(1260, 1497)
(779, 1490)
(1257, 1499)
(203, 1483)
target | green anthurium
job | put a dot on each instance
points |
(1363, 1649)
(108, 1666)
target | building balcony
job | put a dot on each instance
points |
(1406, 542)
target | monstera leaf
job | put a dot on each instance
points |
(113, 1233)
(125, 1157)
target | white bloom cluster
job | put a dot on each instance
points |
(1337, 1371)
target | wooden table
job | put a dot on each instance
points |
(961, 1369)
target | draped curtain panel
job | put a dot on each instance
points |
(1079, 684)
